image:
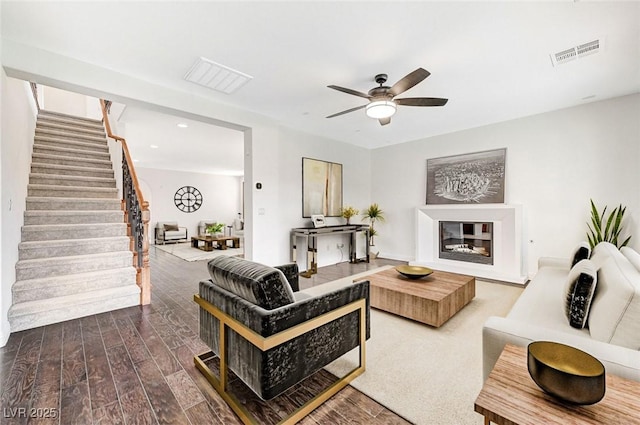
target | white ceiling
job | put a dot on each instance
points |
(490, 59)
(156, 141)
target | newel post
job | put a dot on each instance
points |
(144, 272)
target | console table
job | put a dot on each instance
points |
(311, 235)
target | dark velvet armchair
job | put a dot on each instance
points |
(275, 336)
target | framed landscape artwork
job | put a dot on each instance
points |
(467, 179)
(321, 188)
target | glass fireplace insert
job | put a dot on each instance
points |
(467, 241)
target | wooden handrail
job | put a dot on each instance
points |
(137, 218)
(34, 92)
(125, 149)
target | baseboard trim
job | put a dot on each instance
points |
(4, 338)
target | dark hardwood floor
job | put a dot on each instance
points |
(135, 365)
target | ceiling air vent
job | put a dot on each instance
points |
(215, 76)
(576, 52)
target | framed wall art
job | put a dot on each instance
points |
(467, 179)
(321, 188)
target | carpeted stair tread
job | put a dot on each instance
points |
(69, 135)
(70, 127)
(44, 158)
(78, 188)
(36, 203)
(59, 266)
(28, 250)
(50, 120)
(68, 180)
(39, 232)
(58, 286)
(66, 151)
(44, 217)
(53, 141)
(48, 190)
(43, 113)
(71, 170)
(84, 258)
(32, 314)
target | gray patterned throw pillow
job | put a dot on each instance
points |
(579, 290)
(257, 283)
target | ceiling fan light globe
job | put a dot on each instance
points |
(381, 109)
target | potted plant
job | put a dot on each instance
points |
(348, 212)
(215, 229)
(612, 226)
(373, 214)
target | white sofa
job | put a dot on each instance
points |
(613, 333)
(169, 231)
(237, 230)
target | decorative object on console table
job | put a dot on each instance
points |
(321, 188)
(467, 179)
(348, 212)
(318, 220)
(612, 229)
(566, 372)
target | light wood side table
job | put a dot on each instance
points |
(510, 397)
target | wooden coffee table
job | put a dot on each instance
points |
(510, 397)
(432, 300)
(221, 242)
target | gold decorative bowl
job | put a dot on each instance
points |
(566, 372)
(413, 272)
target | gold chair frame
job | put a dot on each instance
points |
(264, 344)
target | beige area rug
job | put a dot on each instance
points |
(185, 251)
(429, 375)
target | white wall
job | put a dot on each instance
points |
(18, 125)
(555, 163)
(356, 174)
(220, 197)
(5, 291)
(266, 149)
(56, 100)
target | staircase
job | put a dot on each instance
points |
(74, 258)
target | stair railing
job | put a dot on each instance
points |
(34, 92)
(136, 212)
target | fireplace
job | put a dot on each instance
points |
(489, 234)
(466, 241)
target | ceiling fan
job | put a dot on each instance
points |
(382, 104)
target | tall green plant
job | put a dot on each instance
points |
(612, 226)
(373, 214)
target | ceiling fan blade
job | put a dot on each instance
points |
(347, 111)
(384, 121)
(409, 81)
(350, 91)
(421, 101)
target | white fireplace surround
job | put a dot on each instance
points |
(507, 264)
